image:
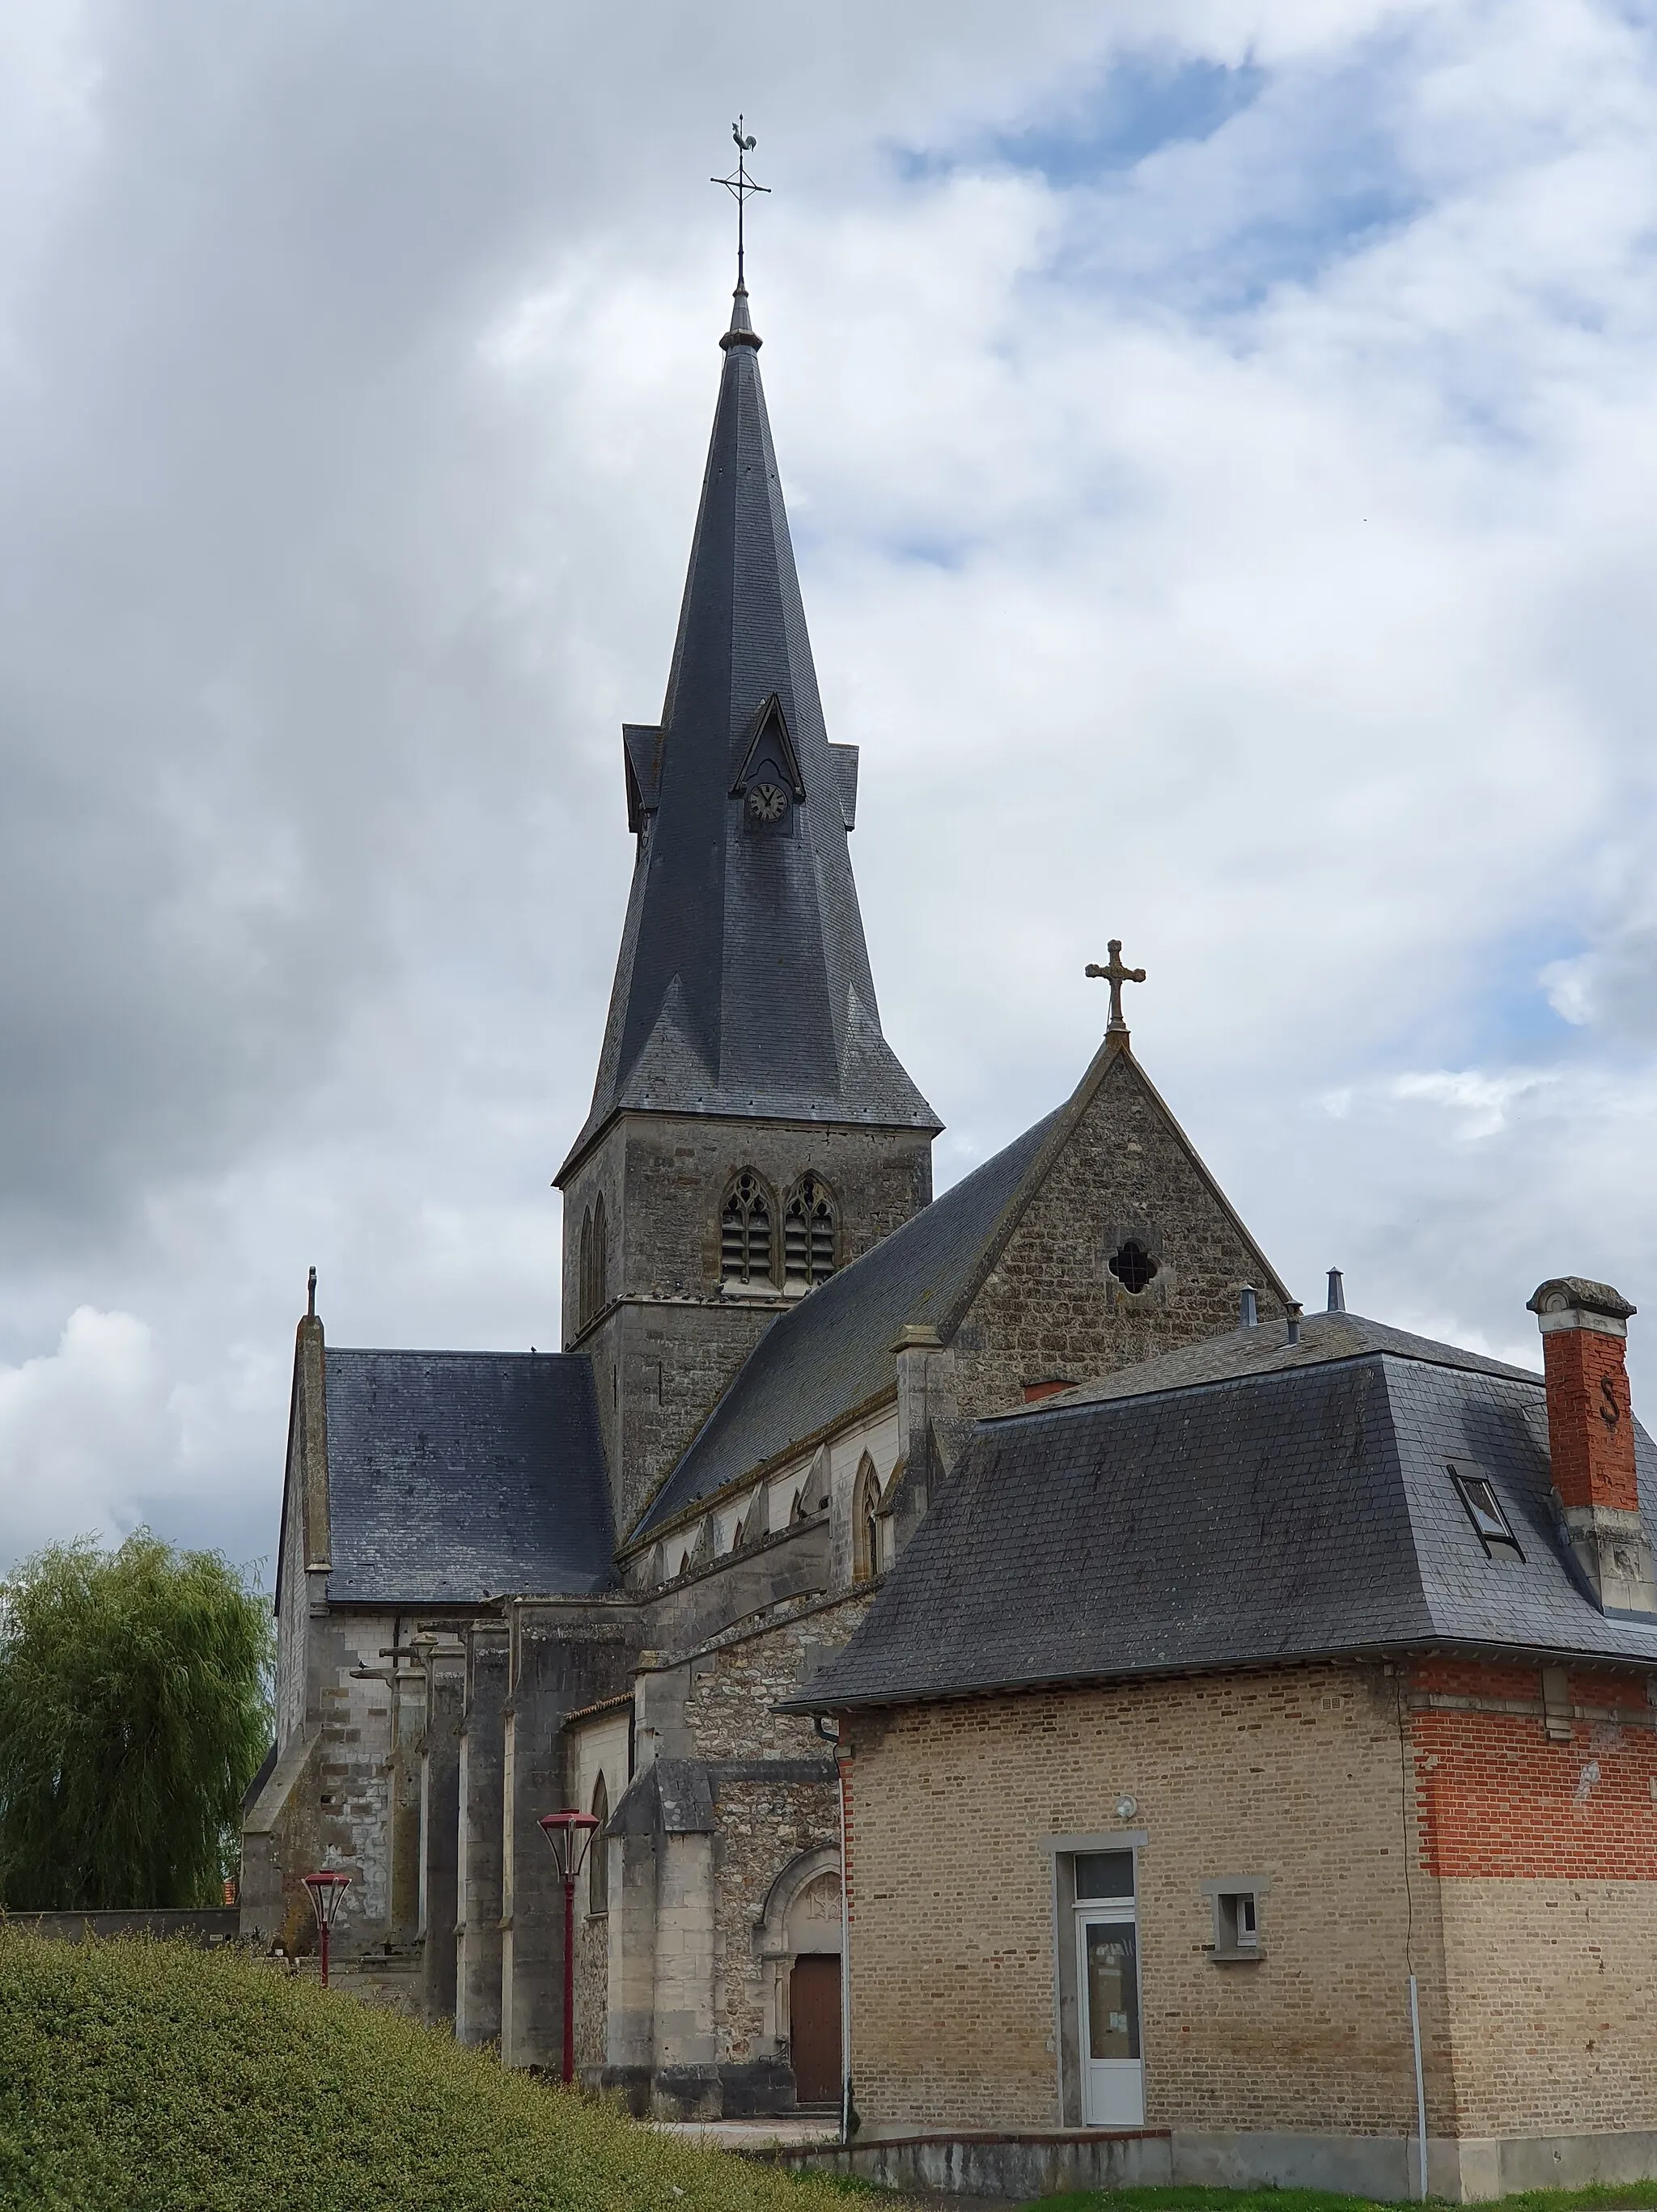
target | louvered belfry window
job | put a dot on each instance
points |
(808, 1232)
(745, 1231)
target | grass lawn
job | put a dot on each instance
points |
(138, 2077)
(1322, 2200)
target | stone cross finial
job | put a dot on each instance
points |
(1115, 975)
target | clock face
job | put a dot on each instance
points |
(768, 802)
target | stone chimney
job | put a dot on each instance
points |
(1590, 1439)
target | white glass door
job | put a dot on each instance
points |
(1107, 1976)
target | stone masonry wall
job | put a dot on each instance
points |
(366, 1769)
(592, 1992)
(659, 1365)
(658, 1368)
(293, 1624)
(729, 1710)
(595, 1748)
(764, 1826)
(1050, 1306)
(1294, 1776)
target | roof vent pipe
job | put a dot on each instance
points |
(1294, 1321)
(1247, 1315)
(1337, 1291)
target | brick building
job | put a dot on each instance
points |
(510, 1582)
(1234, 1717)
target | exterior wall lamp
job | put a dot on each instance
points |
(571, 1836)
(327, 1894)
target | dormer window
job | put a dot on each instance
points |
(745, 1234)
(1484, 1510)
(808, 1235)
(770, 785)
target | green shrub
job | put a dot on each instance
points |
(140, 2076)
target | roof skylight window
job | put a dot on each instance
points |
(1484, 1510)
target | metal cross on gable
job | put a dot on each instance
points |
(741, 187)
(1115, 975)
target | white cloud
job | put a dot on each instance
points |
(85, 1431)
(1482, 1104)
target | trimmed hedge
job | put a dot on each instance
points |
(143, 2076)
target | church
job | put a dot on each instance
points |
(1034, 1689)
(511, 1583)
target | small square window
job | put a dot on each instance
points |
(1236, 1922)
(1483, 1509)
(1236, 1902)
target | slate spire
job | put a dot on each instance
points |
(743, 987)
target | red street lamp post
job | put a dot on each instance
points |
(571, 1835)
(327, 1892)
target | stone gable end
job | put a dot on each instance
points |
(1051, 1308)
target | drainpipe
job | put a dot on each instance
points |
(1421, 2093)
(844, 1961)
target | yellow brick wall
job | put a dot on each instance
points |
(1553, 2004)
(1295, 1776)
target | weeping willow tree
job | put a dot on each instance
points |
(134, 1711)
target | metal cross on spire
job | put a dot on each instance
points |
(1115, 975)
(740, 187)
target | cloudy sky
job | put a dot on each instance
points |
(1220, 440)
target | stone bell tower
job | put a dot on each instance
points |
(751, 1130)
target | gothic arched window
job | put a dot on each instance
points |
(866, 1525)
(598, 1853)
(600, 1257)
(584, 1274)
(808, 1233)
(745, 1231)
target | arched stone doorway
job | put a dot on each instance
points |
(799, 1942)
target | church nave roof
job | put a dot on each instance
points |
(459, 1476)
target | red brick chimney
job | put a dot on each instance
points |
(1591, 1438)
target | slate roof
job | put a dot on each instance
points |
(459, 1476)
(1266, 1350)
(742, 985)
(1235, 1503)
(833, 1351)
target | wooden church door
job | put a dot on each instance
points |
(814, 2028)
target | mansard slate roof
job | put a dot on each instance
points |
(833, 1351)
(743, 986)
(1238, 1502)
(457, 1476)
